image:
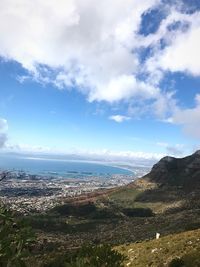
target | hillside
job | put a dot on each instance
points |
(184, 172)
(172, 183)
(181, 249)
(172, 191)
(167, 200)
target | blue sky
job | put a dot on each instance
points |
(122, 81)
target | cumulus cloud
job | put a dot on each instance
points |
(3, 132)
(181, 53)
(119, 118)
(96, 47)
(88, 44)
(176, 49)
(84, 44)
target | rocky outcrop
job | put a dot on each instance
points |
(183, 172)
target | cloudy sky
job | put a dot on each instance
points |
(110, 77)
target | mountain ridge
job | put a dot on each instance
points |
(183, 172)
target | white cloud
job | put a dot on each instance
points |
(162, 144)
(182, 50)
(121, 155)
(104, 155)
(91, 45)
(176, 150)
(95, 46)
(172, 150)
(133, 157)
(189, 118)
(119, 118)
(164, 105)
(185, 53)
(3, 125)
(180, 54)
(26, 148)
(124, 87)
(3, 132)
(87, 43)
(197, 99)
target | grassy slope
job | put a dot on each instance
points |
(124, 197)
(130, 197)
(160, 252)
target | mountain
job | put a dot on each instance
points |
(172, 183)
(165, 201)
(172, 190)
(182, 172)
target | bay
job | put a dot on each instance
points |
(59, 167)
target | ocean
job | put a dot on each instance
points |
(59, 167)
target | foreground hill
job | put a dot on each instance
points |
(173, 250)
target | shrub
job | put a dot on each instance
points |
(75, 210)
(138, 212)
(90, 256)
(177, 262)
(15, 238)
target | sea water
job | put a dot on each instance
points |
(59, 167)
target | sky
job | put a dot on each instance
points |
(115, 79)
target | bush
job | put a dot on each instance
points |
(177, 262)
(90, 256)
(103, 214)
(192, 258)
(15, 238)
(75, 210)
(138, 212)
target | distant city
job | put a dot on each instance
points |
(25, 192)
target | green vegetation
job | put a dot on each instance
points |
(75, 210)
(89, 256)
(138, 212)
(177, 262)
(124, 197)
(15, 240)
(170, 250)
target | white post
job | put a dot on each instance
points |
(157, 235)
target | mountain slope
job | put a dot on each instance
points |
(170, 190)
(184, 247)
(172, 183)
(183, 172)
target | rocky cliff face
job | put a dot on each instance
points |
(183, 172)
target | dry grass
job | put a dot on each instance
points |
(158, 253)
